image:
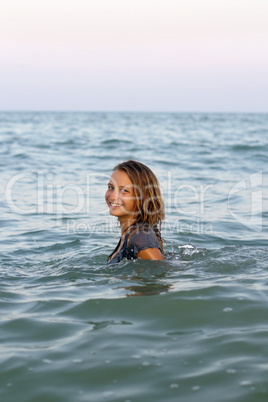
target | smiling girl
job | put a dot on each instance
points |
(134, 197)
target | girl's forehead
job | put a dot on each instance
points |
(120, 178)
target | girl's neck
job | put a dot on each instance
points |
(125, 225)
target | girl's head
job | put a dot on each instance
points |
(134, 190)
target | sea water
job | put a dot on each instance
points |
(191, 328)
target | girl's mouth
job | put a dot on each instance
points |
(113, 204)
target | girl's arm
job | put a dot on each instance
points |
(150, 254)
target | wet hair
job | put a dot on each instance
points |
(149, 204)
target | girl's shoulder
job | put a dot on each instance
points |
(143, 237)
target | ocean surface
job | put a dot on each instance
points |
(191, 328)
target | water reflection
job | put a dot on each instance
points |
(149, 278)
(148, 289)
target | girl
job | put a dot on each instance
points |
(134, 196)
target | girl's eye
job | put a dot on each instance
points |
(124, 190)
(110, 187)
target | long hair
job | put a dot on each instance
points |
(149, 204)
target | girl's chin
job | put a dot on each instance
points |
(115, 211)
(118, 212)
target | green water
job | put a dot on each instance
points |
(191, 328)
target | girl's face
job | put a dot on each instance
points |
(119, 196)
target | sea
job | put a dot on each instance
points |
(191, 328)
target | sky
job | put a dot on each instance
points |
(134, 55)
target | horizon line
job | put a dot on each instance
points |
(126, 111)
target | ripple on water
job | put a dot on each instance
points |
(193, 327)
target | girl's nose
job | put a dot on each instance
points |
(114, 195)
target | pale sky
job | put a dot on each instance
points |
(134, 55)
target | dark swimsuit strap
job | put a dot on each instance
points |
(126, 239)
